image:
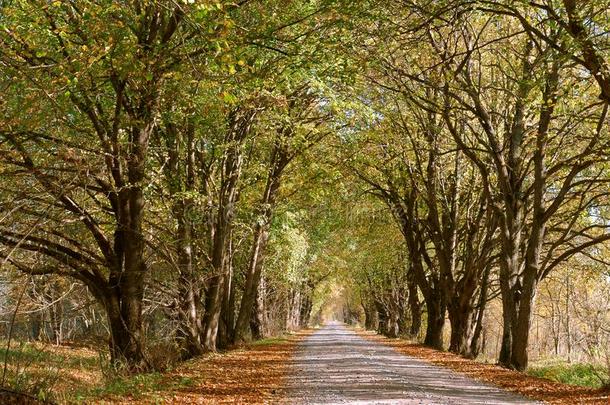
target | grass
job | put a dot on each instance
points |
(66, 374)
(80, 375)
(50, 372)
(122, 386)
(134, 387)
(580, 374)
(269, 341)
(77, 375)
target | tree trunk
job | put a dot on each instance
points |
(126, 337)
(392, 325)
(414, 305)
(460, 320)
(382, 317)
(521, 329)
(216, 288)
(403, 325)
(476, 344)
(253, 276)
(518, 300)
(226, 328)
(56, 322)
(190, 328)
(36, 321)
(179, 178)
(278, 162)
(123, 302)
(435, 322)
(510, 288)
(258, 324)
(460, 310)
(509, 313)
(213, 307)
(305, 309)
(240, 122)
(370, 315)
(294, 310)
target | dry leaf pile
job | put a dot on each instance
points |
(250, 375)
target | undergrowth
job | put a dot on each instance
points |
(581, 374)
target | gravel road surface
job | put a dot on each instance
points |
(335, 365)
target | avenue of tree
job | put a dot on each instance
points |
(206, 173)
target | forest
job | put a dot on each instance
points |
(184, 177)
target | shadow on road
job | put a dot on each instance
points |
(335, 365)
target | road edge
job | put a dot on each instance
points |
(535, 388)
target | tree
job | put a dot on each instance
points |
(95, 75)
(545, 190)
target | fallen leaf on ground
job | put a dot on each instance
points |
(533, 387)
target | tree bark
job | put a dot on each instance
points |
(476, 343)
(382, 317)
(435, 322)
(126, 337)
(227, 327)
(240, 122)
(279, 159)
(253, 276)
(414, 305)
(258, 321)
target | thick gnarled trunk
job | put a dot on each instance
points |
(435, 322)
(126, 335)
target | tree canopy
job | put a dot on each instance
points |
(209, 173)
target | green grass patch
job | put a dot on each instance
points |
(270, 341)
(584, 375)
(27, 353)
(24, 353)
(49, 372)
(67, 374)
(136, 387)
(121, 386)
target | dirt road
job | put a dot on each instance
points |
(336, 366)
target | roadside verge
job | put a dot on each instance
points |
(532, 387)
(254, 374)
